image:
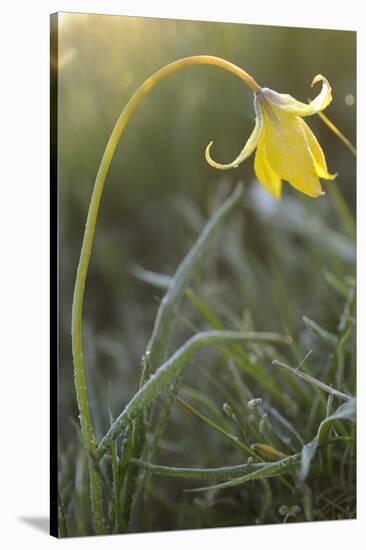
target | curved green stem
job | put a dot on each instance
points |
(77, 307)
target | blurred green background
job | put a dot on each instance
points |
(160, 189)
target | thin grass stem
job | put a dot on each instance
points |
(313, 381)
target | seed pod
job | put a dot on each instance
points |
(254, 403)
(267, 451)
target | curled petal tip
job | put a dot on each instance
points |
(326, 85)
(207, 151)
(325, 96)
(319, 78)
(248, 149)
(207, 154)
(215, 164)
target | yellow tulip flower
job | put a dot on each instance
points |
(286, 147)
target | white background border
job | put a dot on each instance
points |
(24, 285)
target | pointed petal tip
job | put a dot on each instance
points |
(332, 177)
(317, 194)
(312, 193)
(325, 175)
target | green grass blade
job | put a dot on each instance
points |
(347, 411)
(163, 376)
(224, 473)
(313, 381)
(307, 454)
(335, 283)
(268, 469)
(327, 337)
(285, 423)
(157, 280)
(204, 310)
(202, 399)
(114, 460)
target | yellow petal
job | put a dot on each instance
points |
(317, 153)
(266, 176)
(291, 105)
(248, 149)
(288, 152)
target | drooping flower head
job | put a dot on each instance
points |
(286, 148)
